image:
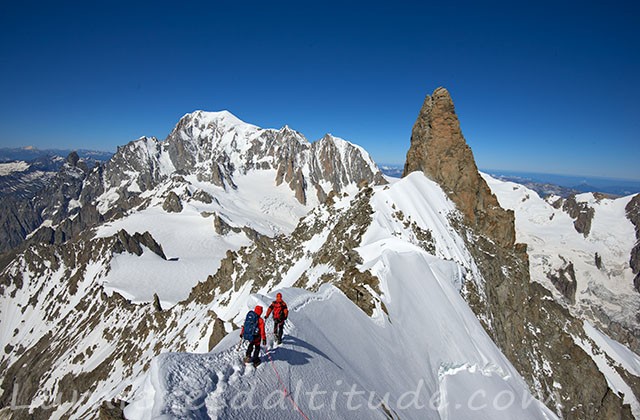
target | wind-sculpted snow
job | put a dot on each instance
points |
(349, 369)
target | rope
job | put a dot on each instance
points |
(284, 387)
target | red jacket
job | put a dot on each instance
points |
(279, 308)
(263, 334)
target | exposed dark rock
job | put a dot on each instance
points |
(439, 149)
(18, 218)
(157, 306)
(581, 213)
(269, 259)
(252, 234)
(172, 203)
(221, 227)
(598, 261)
(329, 161)
(565, 281)
(133, 244)
(112, 410)
(217, 332)
(94, 310)
(623, 332)
(73, 158)
(203, 196)
(558, 203)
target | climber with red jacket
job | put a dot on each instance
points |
(280, 314)
(253, 332)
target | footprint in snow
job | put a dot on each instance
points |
(237, 372)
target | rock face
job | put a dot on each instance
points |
(581, 213)
(439, 149)
(633, 214)
(172, 203)
(565, 281)
(57, 201)
(133, 244)
(515, 311)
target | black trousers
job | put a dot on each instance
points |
(255, 348)
(278, 326)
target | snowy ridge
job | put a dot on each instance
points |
(450, 359)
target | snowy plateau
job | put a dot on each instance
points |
(136, 312)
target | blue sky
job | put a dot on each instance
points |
(548, 87)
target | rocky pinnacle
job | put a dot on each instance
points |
(439, 149)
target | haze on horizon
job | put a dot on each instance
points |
(535, 91)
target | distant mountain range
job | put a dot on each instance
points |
(26, 170)
(565, 185)
(29, 153)
(549, 184)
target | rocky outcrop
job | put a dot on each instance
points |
(515, 311)
(581, 213)
(565, 281)
(203, 196)
(215, 147)
(133, 244)
(439, 149)
(112, 410)
(217, 332)
(221, 227)
(74, 326)
(172, 204)
(25, 184)
(633, 214)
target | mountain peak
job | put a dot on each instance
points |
(220, 118)
(442, 92)
(439, 149)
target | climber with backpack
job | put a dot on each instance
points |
(280, 314)
(253, 332)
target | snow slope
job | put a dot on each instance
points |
(424, 355)
(189, 238)
(321, 363)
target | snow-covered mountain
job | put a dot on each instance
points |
(409, 298)
(581, 248)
